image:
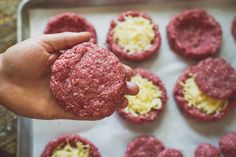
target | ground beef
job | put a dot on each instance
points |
(216, 78)
(144, 146)
(88, 81)
(194, 34)
(154, 113)
(228, 144)
(170, 153)
(194, 112)
(122, 53)
(70, 22)
(207, 150)
(69, 139)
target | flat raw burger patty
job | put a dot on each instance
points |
(228, 144)
(207, 150)
(200, 111)
(70, 22)
(71, 140)
(234, 28)
(137, 55)
(194, 34)
(216, 78)
(153, 113)
(170, 153)
(144, 146)
(88, 81)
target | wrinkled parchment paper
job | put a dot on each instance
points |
(112, 134)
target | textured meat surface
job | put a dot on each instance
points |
(194, 112)
(70, 22)
(88, 81)
(122, 53)
(216, 78)
(228, 144)
(234, 28)
(144, 146)
(170, 153)
(194, 34)
(69, 139)
(207, 150)
(153, 114)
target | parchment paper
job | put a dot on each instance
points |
(112, 134)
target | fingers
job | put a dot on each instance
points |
(55, 42)
(132, 88)
(52, 58)
(129, 71)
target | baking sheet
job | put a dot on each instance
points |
(112, 134)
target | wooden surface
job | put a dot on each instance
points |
(7, 23)
(8, 10)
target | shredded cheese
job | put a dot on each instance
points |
(134, 34)
(68, 151)
(148, 98)
(202, 102)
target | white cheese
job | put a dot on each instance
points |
(134, 34)
(68, 151)
(202, 102)
(148, 98)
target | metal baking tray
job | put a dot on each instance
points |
(112, 134)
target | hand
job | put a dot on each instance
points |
(25, 73)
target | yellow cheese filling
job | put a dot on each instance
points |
(197, 100)
(134, 34)
(148, 98)
(68, 151)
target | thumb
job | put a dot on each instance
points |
(55, 42)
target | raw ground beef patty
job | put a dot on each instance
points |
(193, 102)
(144, 146)
(88, 81)
(228, 144)
(207, 150)
(194, 34)
(70, 22)
(216, 78)
(71, 141)
(170, 153)
(137, 55)
(234, 28)
(146, 81)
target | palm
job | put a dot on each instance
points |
(28, 76)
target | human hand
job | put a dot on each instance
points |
(25, 74)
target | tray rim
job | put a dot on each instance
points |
(46, 4)
(24, 125)
(21, 122)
